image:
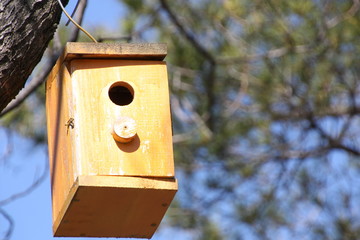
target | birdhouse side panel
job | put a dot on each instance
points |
(107, 90)
(59, 127)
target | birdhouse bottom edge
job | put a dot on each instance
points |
(114, 206)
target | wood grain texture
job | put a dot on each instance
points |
(60, 141)
(86, 50)
(150, 153)
(149, 51)
(101, 187)
(26, 27)
(108, 206)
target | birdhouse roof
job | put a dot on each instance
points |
(127, 51)
(140, 51)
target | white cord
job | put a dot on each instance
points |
(76, 24)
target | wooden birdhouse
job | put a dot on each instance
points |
(110, 140)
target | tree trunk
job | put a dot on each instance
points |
(26, 27)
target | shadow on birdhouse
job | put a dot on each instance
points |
(110, 140)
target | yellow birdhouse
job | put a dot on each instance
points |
(110, 140)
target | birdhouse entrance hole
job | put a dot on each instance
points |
(121, 93)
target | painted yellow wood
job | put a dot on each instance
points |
(123, 206)
(91, 101)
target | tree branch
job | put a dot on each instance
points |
(46, 69)
(11, 224)
(209, 83)
(273, 53)
(27, 28)
(211, 73)
(333, 142)
(32, 86)
(185, 33)
(300, 115)
(30, 188)
(37, 81)
(9, 146)
(350, 13)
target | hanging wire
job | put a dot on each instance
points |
(74, 11)
(77, 25)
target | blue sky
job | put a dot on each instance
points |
(106, 13)
(32, 214)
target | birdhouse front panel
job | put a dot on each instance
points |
(105, 92)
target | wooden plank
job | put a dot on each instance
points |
(60, 140)
(151, 152)
(135, 51)
(62, 205)
(140, 51)
(128, 182)
(102, 187)
(110, 206)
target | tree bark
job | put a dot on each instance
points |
(26, 27)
